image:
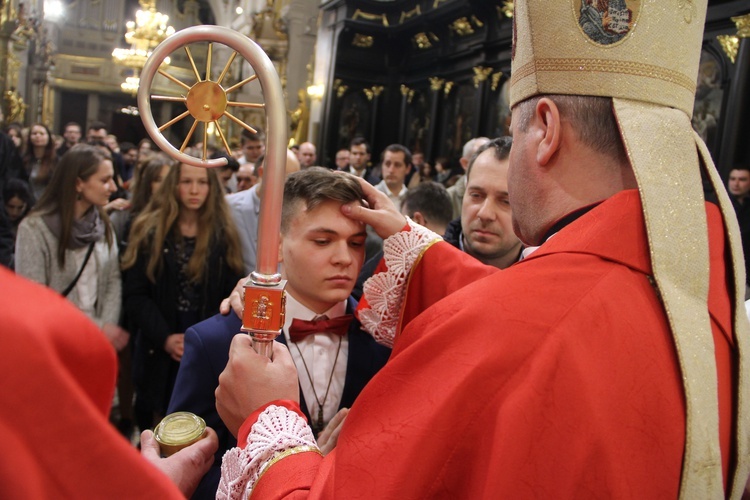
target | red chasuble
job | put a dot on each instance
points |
(556, 378)
(57, 378)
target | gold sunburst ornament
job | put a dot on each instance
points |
(206, 100)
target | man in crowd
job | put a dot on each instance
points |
(457, 190)
(227, 172)
(245, 207)
(307, 155)
(359, 157)
(97, 131)
(253, 146)
(246, 177)
(129, 153)
(71, 137)
(429, 205)
(342, 159)
(607, 363)
(739, 192)
(485, 229)
(318, 244)
(396, 165)
(97, 134)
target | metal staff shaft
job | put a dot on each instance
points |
(263, 317)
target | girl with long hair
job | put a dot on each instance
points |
(183, 257)
(67, 242)
(146, 181)
(39, 158)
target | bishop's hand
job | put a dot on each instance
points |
(380, 213)
(251, 380)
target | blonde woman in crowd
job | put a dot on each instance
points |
(183, 257)
(146, 181)
(67, 242)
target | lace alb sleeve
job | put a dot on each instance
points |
(385, 291)
(278, 433)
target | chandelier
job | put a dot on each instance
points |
(147, 31)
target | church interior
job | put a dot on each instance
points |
(429, 74)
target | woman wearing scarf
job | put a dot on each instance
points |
(67, 242)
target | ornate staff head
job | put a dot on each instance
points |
(207, 101)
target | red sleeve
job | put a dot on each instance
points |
(442, 270)
(292, 477)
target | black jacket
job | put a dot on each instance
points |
(151, 313)
(453, 233)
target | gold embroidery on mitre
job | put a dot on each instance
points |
(604, 66)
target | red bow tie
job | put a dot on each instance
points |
(299, 329)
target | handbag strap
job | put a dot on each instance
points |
(69, 288)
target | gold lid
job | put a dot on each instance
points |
(178, 430)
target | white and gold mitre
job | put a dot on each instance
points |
(644, 54)
(645, 51)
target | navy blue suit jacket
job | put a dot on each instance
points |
(206, 354)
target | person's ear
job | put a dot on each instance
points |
(281, 249)
(547, 118)
(419, 219)
(464, 163)
(259, 171)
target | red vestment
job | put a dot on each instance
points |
(57, 378)
(555, 378)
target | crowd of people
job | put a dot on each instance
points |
(147, 248)
(526, 326)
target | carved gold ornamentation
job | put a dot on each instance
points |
(731, 45)
(436, 3)
(407, 92)
(507, 8)
(416, 11)
(341, 90)
(436, 83)
(363, 41)
(422, 41)
(477, 22)
(15, 107)
(743, 25)
(359, 14)
(369, 93)
(448, 88)
(480, 74)
(462, 27)
(496, 80)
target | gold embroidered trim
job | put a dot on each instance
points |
(408, 282)
(605, 66)
(283, 454)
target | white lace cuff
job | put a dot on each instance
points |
(385, 291)
(279, 432)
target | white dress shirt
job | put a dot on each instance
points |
(319, 351)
